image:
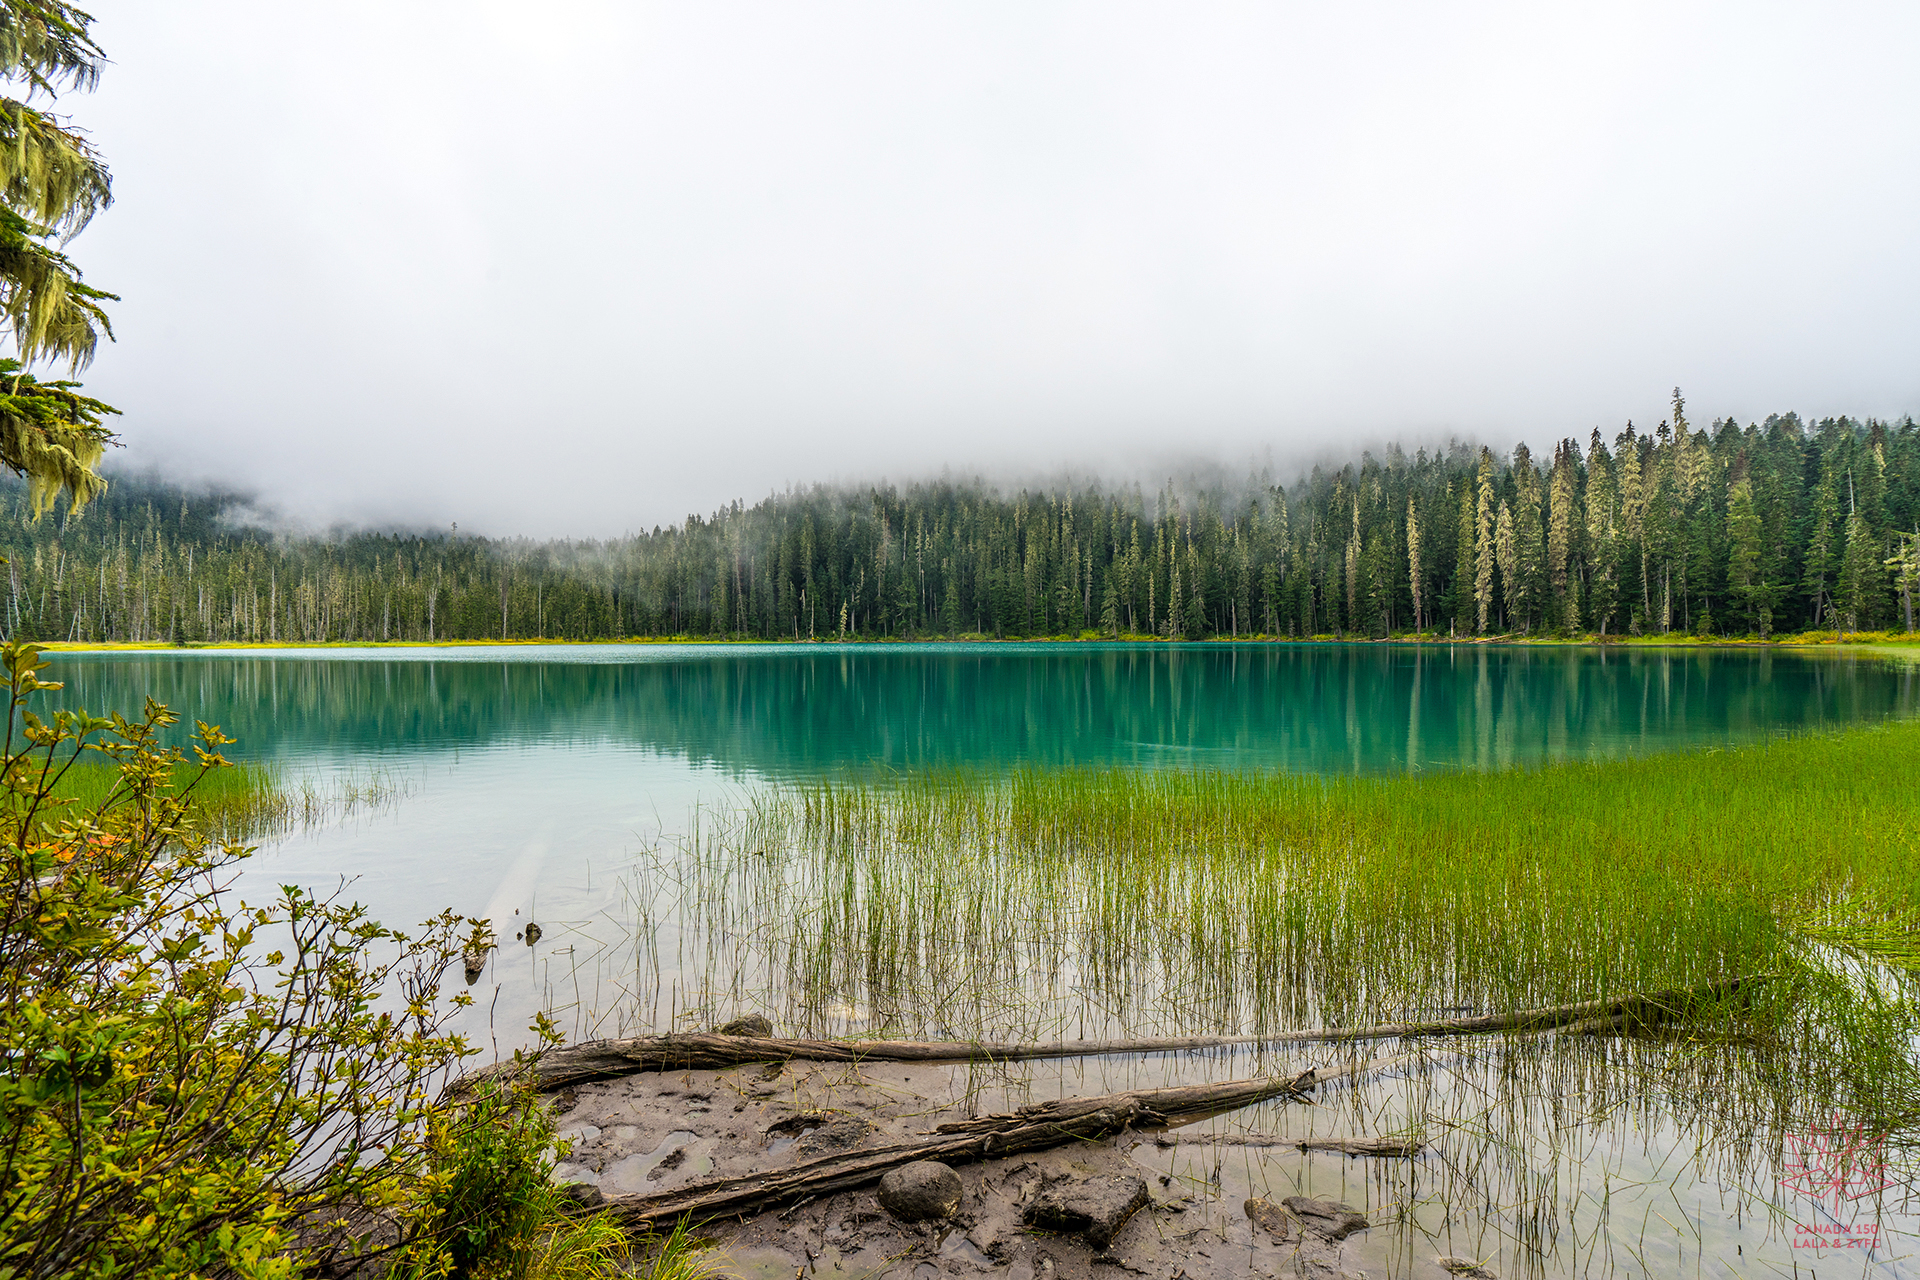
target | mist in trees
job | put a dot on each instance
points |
(1776, 526)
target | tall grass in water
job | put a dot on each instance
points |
(246, 801)
(236, 803)
(1108, 903)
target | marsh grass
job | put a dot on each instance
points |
(235, 803)
(1064, 903)
(1107, 903)
(247, 801)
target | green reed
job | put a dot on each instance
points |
(1089, 902)
(247, 801)
(236, 803)
(1105, 904)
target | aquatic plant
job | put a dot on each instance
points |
(1103, 903)
(234, 803)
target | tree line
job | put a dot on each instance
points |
(1776, 526)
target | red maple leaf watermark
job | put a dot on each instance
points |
(1837, 1164)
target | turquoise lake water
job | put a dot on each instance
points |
(528, 768)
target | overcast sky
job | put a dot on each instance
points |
(576, 268)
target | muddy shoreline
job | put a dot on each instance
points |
(1167, 1204)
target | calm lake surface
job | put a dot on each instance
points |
(562, 784)
(534, 780)
(530, 770)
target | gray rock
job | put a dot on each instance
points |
(921, 1190)
(1328, 1219)
(1095, 1208)
(1272, 1219)
(753, 1024)
(474, 961)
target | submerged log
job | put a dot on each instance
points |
(1394, 1148)
(606, 1059)
(1034, 1128)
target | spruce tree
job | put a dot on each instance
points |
(1507, 557)
(1526, 595)
(1860, 573)
(1483, 539)
(1743, 553)
(1560, 529)
(1823, 534)
(1904, 564)
(1416, 576)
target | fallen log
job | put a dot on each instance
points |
(607, 1059)
(1034, 1128)
(1396, 1148)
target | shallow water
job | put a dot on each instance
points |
(556, 784)
(536, 778)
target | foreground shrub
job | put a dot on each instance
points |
(194, 1085)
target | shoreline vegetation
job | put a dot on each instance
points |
(1872, 640)
(1663, 871)
(203, 1086)
(1262, 903)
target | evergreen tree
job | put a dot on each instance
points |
(1483, 538)
(1905, 567)
(52, 182)
(1526, 593)
(1560, 528)
(1603, 590)
(1744, 585)
(1460, 598)
(1506, 555)
(1821, 551)
(1416, 575)
(1860, 572)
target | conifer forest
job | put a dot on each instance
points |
(1773, 527)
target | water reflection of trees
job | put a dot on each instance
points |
(1361, 707)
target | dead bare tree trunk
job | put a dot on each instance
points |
(605, 1059)
(1034, 1128)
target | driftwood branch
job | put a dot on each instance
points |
(1034, 1128)
(605, 1059)
(1399, 1148)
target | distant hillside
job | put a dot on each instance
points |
(1778, 526)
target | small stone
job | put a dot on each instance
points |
(1326, 1218)
(474, 962)
(1466, 1268)
(1095, 1208)
(1271, 1218)
(755, 1025)
(921, 1190)
(533, 934)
